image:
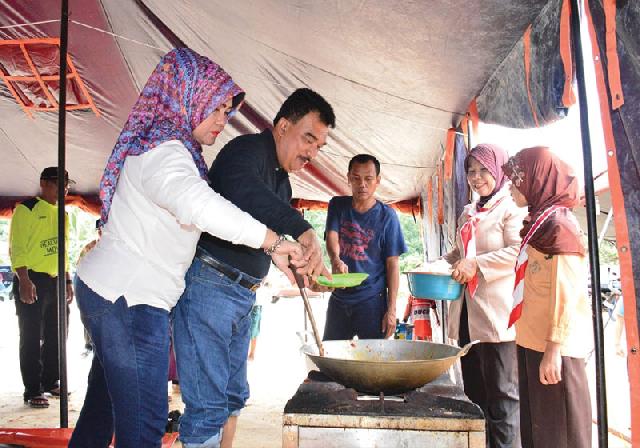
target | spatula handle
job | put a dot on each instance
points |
(307, 307)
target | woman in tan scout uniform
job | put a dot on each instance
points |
(551, 306)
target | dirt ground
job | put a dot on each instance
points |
(274, 376)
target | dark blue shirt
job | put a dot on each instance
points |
(366, 241)
(247, 173)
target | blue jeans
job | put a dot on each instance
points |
(346, 320)
(127, 388)
(211, 324)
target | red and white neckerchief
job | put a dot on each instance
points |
(468, 237)
(523, 260)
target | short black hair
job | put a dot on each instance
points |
(303, 101)
(365, 158)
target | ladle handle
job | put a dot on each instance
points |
(307, 307)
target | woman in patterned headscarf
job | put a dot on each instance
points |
(487, 242)
(155, 204)
(551, 308)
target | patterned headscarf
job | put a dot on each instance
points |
(545, 180)
(183, 90)
(492, 157)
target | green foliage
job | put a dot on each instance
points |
(318, 220)
(82, 230)
(608, 253)
(412, 237)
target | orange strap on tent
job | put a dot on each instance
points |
(408, 206)
(568, 96)
(308, 204)
(440, 195)
(473, 114)
(470, 116)
(622, 238)
(464, 125)
(613, 64)
(430, 200)
(527, 71)
(448, 153)
(87, 203)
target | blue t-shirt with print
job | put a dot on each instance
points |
(366, 241)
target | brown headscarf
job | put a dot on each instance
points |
(546, 180)
(492, 157)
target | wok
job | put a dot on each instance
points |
(391, 366)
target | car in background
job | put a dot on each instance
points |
(6, 282)
(616, 284)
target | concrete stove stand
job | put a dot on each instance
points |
(324, 414)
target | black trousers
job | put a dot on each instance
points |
(557, 415)
(364, 319)
(490, 374)
(38, 324)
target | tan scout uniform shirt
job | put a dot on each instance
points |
(556, 305)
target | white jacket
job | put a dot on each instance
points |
(160, 207)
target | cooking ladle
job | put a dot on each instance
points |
(307, 307)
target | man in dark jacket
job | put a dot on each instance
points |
(212, 318)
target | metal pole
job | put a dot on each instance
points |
(309, 310)
(603, 232)
(62, 287)
(594, 258)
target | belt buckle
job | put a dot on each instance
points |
(255, 287)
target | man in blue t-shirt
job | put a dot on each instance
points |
(363, 235)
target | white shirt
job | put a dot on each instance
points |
(160, 207)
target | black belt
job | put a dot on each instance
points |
(230, 273)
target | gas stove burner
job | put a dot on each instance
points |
(396, 398)
(382, 398)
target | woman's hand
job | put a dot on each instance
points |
(551, 364)
(464, 270)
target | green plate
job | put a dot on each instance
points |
(343, 280)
